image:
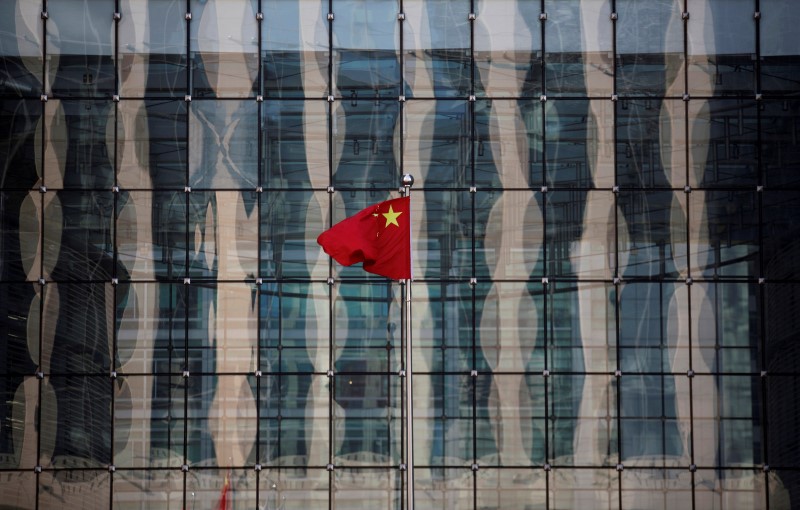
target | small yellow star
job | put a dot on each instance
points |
(391, 217)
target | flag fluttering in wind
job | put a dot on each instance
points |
(223, 496)
(379, 236)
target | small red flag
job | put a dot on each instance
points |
(223, 497)
(379, 236)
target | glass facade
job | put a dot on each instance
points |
(606, 302)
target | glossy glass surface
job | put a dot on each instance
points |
(604, 221)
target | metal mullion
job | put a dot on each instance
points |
(331, 302)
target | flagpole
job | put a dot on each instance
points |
(408, 181)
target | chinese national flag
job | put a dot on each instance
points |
(379, 236)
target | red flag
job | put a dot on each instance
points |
(223, 497)
(379, 236)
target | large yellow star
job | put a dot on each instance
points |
(391, 217)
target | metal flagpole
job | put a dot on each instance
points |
(408, 181)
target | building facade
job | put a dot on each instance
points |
(606, 218)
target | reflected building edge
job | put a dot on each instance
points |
(604, 253)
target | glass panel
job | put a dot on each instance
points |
(727, 327)
(508, 236)
(169, 233)
(508, 147)
(724, 144)
(20, 216)
(656, 488)
(721, 44)
(148, 422)
(222, 328)
(655, 420)
(583, 425)
(778, 484)
(80, 148)
(442, 247)
(509, 411)
(19, 435)
(443, 488)
(781, 319)
(75, 341)
(19, 328)
(367, 332)
(233, 489)
(295, 144)
(78, 236)
(19, 123)
(443, 425)
(652, 233)
(650, 143)
(169, 345)
(594, 489)
(290, 224)
(292, 489)
(508, 48)
(366, 40)
(295, 315)
(224, 48)
(224, 144)
(151, 144)
(780, 228)
(580, 233)
(21, 48)
(783, 418)
(510, 489)
(437, 48)
(89, 489)
(81, 431)
(356, 163)
(724, 234)
(442, 332)
(734, 489)
(80, 48)
(579, 45)
(569, 133)
(151, 328)
(19, 488)
(581, 327)
(295, 37)
(650, 48)
(367, 420)
(436, 143)
(164, 489)
(780, 41)
(221, 426)
(152, 48)
(510, 327)
(653, 327)
(780, 151)
(367, 488)
(223, 235)
(294, 420)
(727, 422)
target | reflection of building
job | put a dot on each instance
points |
(604, 224)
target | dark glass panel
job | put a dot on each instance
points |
(295, 144)
(649, 47)
(780, 150)
(569, 138)
(579, 48)
(20, 309)
(152, 48)
(780, 229)
(780, 40)
(355, 164)
(19, 122)
(652, 233)
(436, 47)
(21, 47)
(20, 245)
(80, 48)
(724, 234)
(80, 149)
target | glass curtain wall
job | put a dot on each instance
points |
(605, 251)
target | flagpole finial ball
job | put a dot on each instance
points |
(408, 180)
